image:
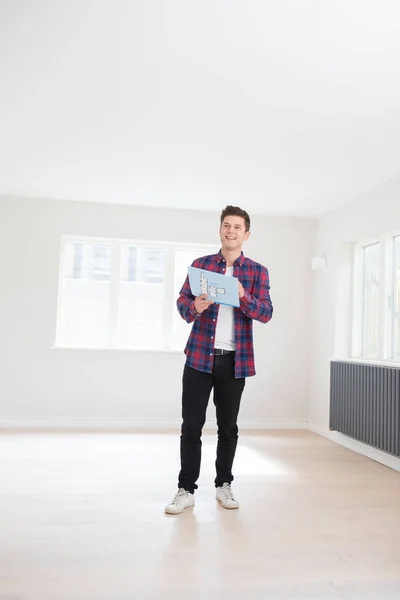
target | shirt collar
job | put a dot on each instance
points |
(239, 260)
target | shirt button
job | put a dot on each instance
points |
(212, 337)
(210, 353)
(214, 320)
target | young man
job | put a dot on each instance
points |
(219, 356)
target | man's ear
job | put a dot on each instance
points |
(246, 236)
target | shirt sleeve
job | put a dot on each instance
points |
(259, 305)
(185, 303)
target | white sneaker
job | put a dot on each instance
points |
(225, 496)
(183, 499)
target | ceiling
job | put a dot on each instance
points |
(288, 107)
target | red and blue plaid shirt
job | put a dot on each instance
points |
(255, 304)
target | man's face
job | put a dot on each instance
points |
(233, 233)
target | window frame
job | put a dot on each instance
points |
(117, 245)
(386, 299)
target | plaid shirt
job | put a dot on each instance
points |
(255, 304)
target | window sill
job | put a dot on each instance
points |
(97, 349)
(394, 364)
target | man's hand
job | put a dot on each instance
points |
(241, 290)
(201, 303)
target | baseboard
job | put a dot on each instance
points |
(79, 424)
(261, 425)
(84, 424)
(339, 438)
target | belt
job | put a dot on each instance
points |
(221, 351)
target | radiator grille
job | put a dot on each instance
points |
(365, 404)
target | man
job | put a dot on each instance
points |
(219, 356)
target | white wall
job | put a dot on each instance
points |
(374, 213)
(40, 382)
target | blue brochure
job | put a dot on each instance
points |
(220, 288)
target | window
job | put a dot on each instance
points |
(376, 314)
(396, 299)
(370, 315)
(122, 294)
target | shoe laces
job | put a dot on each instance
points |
(180, 496)
(227, 491)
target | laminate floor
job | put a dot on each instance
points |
(81, 518)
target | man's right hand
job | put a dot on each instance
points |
(201, 303)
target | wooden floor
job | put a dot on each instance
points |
(81, 517)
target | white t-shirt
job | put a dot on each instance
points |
(225, 331)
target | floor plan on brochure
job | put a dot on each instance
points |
(218, 287)
(208, 288)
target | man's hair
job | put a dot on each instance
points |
(236, 211)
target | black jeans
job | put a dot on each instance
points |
(197, 387)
